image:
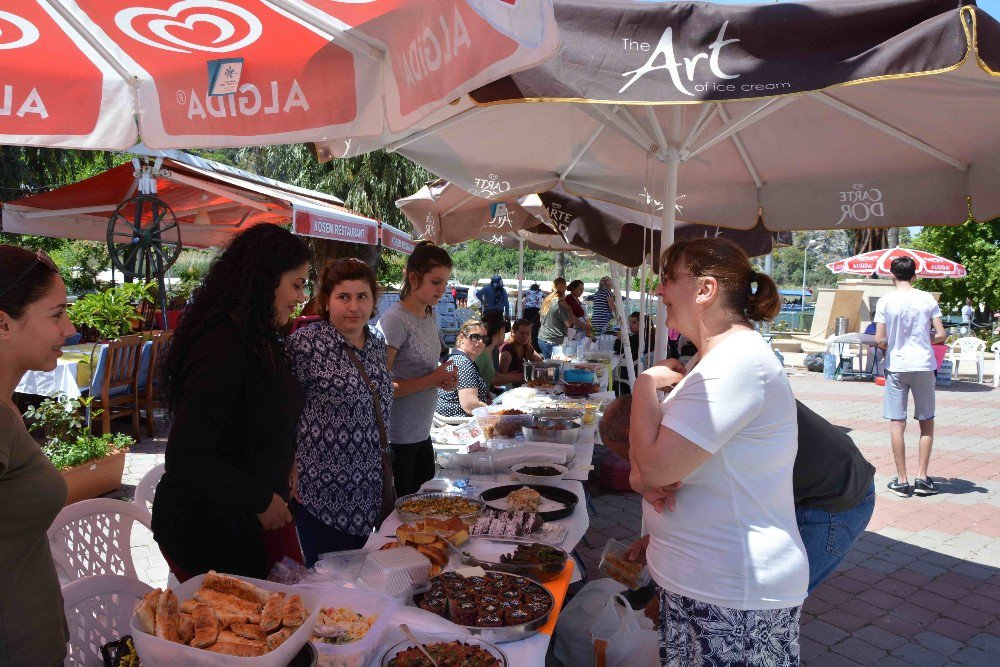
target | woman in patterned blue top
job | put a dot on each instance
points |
(342, 447)
(471, 391)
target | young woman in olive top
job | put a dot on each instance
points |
(33, 326)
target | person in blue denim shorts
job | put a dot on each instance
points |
(832, 482)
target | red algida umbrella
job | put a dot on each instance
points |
(928, 264)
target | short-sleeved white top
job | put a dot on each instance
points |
(733, 540)
(907, 315)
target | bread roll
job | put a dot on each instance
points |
(168, 617)
(232, 586)
(248, 631)
(206, 626)
(231, 637)
(278, 638)
(241, 650)
(270, 617)
(230, 603)
(293, 614)
(185, 628)
(146, 610)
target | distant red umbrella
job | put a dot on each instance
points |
(878, 262)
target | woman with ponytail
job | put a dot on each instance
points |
(414, 347)
(728, 561)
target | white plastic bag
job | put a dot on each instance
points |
(624, 637)
(571, 642)
(635, 643)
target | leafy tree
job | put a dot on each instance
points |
(977, 246)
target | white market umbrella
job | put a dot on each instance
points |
(816, 115)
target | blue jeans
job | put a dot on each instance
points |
(545, 347)
(828, 537)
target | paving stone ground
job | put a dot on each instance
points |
(921, 586)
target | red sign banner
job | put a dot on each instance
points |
(397, 240)
(336, 226)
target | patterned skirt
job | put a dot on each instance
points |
(694, 633)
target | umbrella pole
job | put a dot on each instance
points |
(622, 330)
(669, 218)
(520, 277)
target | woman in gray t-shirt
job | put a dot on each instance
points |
(413, 354)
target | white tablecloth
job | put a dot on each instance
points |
(50, 383)
(531, 651)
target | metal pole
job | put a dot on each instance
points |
(520, 277)
(669, 219)
(802, 303)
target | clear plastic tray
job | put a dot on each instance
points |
(499, 426)
(616, 567)
(337, 567)
(355, 654)
(396, 572)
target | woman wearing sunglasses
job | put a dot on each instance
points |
(33, 326)
(471, 391)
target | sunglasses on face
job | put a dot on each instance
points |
(40, 258)
(480, 338)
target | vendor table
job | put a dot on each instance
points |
(867, 361)
(531, 651)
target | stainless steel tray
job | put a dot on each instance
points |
(508, 633)
(410, 517)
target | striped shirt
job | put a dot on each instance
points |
(602, 310)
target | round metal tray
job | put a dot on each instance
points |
(508, 633)
(410, 517)
(490, 648)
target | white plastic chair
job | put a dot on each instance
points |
(98, 610)
(93, 537)
(995, 349)
(145, 490)
(968, 349)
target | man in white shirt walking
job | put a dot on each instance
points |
(903, 321)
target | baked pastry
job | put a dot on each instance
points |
(146, 610)
(235, 587)
(240, 650)
(230, 603)
(293, 613)
(248, 631)
(185, 628)
(231, 637)
(524, 499)
(270, 617)
(276, 639)
(206, 626)
(168, 617)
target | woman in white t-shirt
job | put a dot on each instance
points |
(729, 563)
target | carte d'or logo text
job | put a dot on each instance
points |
(861, 204)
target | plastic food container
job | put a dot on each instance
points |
(495, 425)
(397, 572)
(156, 652)
(549, 429)
(355, 654)
(578, 375)
(615, 566)
(402, 646)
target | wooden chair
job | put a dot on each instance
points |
(147, 313)
(116, 394)
(149, 395)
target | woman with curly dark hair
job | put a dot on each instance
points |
(222, 502)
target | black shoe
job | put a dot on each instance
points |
(903, 490)
(924, 487)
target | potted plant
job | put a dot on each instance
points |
(92, 465)
(111, 313)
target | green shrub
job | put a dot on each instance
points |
(68, 438)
